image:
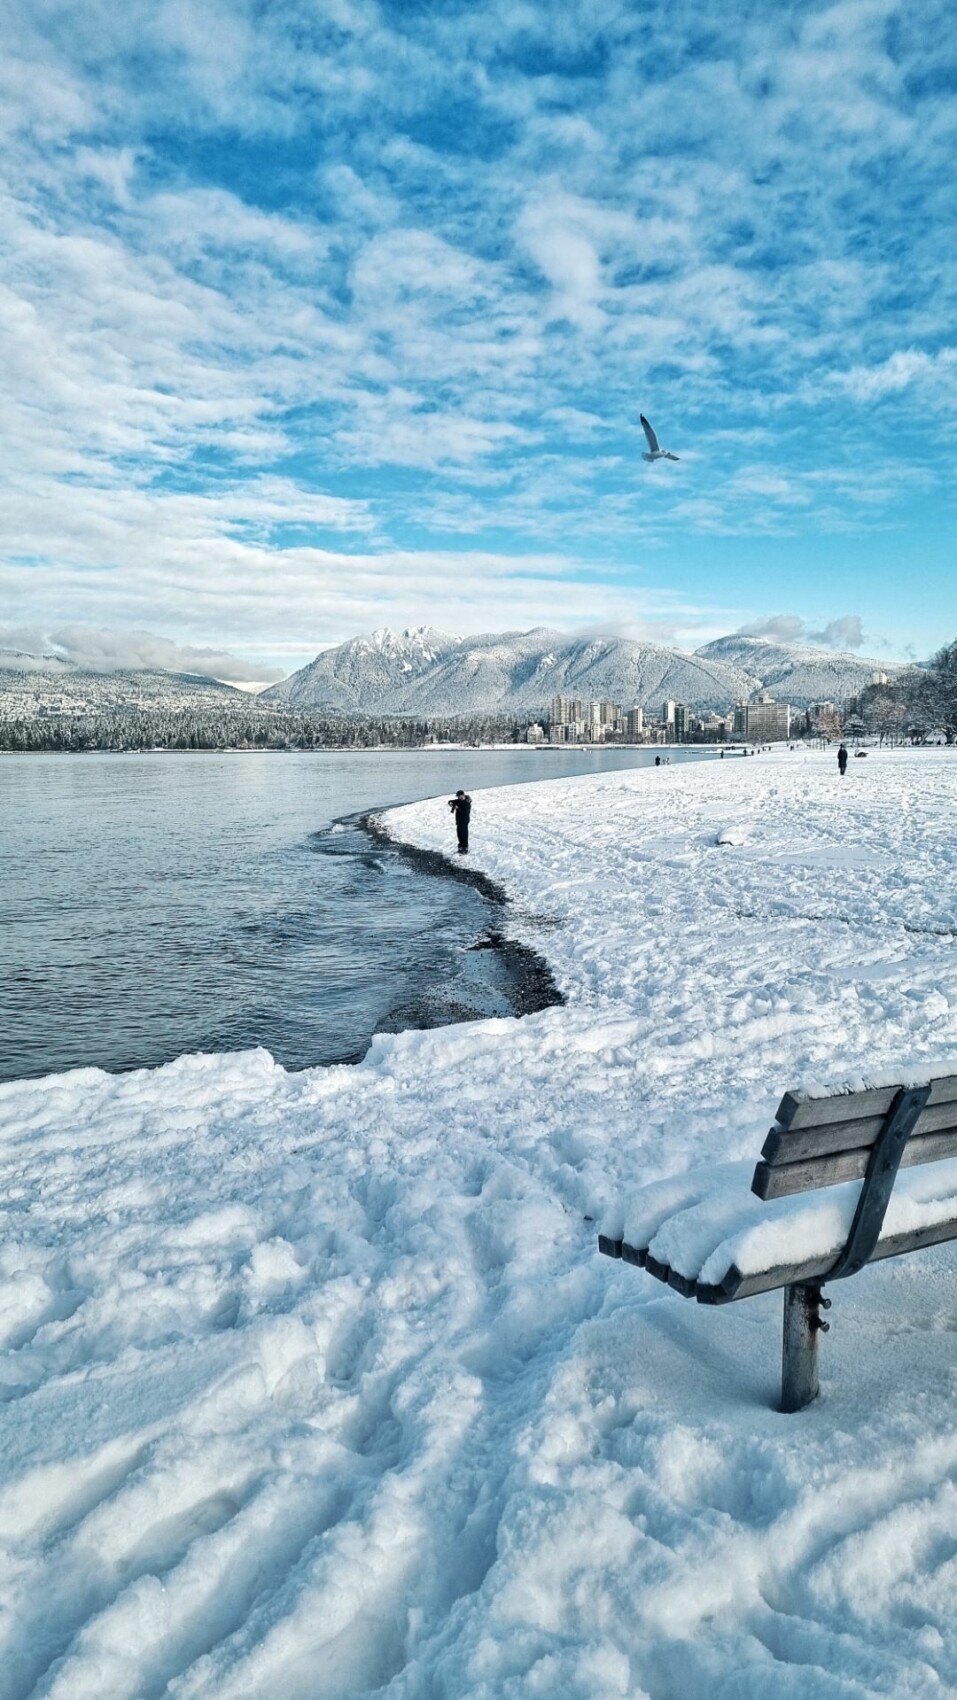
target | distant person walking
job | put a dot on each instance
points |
(461, 806)
(842, 760)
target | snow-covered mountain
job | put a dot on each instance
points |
(796, 673)
(428, 672)
(366, 673)
(31, 686)
(25, 661)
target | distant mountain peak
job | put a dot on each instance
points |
(411, 637)
(424, 671)
(796, 673)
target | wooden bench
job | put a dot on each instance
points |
(823, 1141)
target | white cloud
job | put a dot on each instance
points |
(899, 372)
(421, 272)
(845, 632)
(101, 650)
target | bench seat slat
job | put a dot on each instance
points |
(796, 1110)
(738, 1286)
(792, 1145)
(782, 1180)
(683, 1284)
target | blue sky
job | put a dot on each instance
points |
(321, 316)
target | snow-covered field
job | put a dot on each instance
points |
(315, 1385)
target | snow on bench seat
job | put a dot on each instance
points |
(710, 1238)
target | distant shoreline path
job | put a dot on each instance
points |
(315, 1383)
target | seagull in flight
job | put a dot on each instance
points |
(655, 450)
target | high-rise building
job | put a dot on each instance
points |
(567, 710)
(714, 728)
(668, 713)
(635, 722)
(680, 722)
(763, 721)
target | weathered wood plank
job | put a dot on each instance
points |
(793, 1145)
(683, 1284)
(737, 1286)
(796, 1110)
(785, 1179)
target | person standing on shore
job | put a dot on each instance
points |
(842, 760)
(461, 806)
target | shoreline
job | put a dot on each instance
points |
(601, 746)
(532, 986)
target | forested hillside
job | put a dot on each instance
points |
(251, 729)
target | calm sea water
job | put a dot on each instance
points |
(152, 905)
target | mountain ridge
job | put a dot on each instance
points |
(54, 688)
(426, 672)
(421, 671)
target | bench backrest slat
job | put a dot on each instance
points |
(792, 1145)
(798, 1111)
(783, 1179)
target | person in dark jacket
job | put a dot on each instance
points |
(842, 760)
(461, 806)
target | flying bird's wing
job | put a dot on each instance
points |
(649, 433)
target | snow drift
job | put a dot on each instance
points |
(315, 1384)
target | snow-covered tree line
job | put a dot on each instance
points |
(231, 729)
(919, 704)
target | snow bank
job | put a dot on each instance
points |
(315, 1385)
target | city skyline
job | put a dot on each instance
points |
(757, 719)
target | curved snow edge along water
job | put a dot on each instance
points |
(531, 985)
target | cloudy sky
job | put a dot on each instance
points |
(327, 314)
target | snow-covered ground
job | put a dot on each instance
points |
(315, 1385)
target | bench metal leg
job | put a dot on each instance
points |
(802, 1324)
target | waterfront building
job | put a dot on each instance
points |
(567, 710)
(600, 719)
(763, 721)
(635, 722)
(679, 722)
(714, 728)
